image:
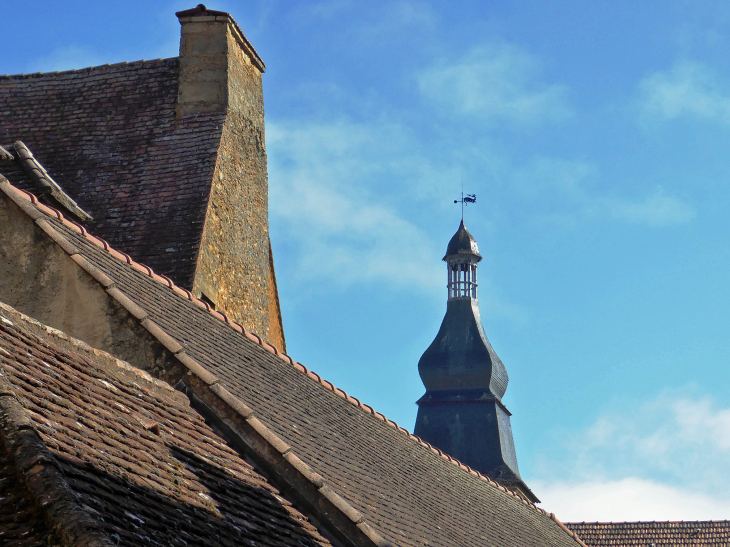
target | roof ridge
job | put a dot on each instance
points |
(26, 75)
(211, 388)
(40, 473)
(51, 212)
(5, 155)
(575, 523)
(91, 367)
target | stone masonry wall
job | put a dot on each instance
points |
(40, 280)
(234, 268)
(276, 326)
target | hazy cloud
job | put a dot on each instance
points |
(571, 190)
(325, 180)
(665, 458)
(656, 210)
(66, 58)
(688, 89)
(493, 83)
(628, 499)
(386, 20)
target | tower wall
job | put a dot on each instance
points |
(477, 433)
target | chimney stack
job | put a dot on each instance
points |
(213, 54)
(220, 81)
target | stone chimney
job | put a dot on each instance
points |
(215, 58)
(220, 76)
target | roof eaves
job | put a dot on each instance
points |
(568, 530)
(222, 399)
(645, 522)
(38, 470)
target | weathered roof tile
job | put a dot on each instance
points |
(142, 466)
(712, 533)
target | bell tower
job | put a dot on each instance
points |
(462, 412)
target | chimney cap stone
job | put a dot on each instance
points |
(190, 15)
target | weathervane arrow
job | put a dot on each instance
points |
(466, 199)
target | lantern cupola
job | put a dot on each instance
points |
(462, 412)
(462, 257)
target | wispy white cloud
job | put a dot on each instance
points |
(406, 13)
(663, 459)
(628, 499)
(495, 83)
(66, 58)
(331, 192)
(570, 191)
(383, 22)
(344, 195)
(687, 89)
(656, 209)
(321, 10)
(562, 179)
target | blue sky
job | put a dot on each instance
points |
(595, 136)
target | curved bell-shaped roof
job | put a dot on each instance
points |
(461, 358)
(462, 244)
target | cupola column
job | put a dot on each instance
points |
(462, 278)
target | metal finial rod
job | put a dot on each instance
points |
(465, 200)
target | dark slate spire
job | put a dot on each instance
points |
(462, 411)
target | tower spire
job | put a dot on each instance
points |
(462, 411)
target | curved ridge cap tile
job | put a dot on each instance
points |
(253, 336)
(567, 530)
(124, 257)
(5, 155)
(34, 168)
(42, 477)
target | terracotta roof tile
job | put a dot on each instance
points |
(407, 492)
(142, 466)
(712, 533)
(109, 136)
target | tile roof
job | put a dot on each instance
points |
(708, 533)
(116, 458)
(393, 484)
(21, 522)
(109, 136)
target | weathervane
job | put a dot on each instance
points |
(466, 199)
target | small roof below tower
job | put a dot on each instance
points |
(463, 243)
